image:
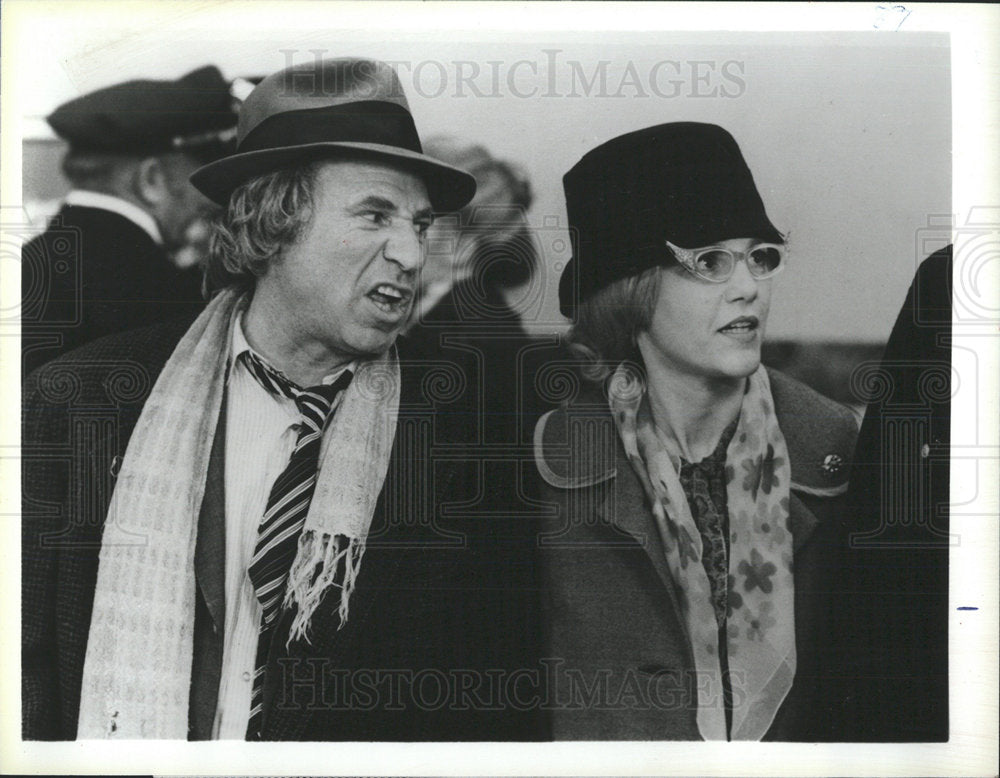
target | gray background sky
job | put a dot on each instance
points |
(848, 134)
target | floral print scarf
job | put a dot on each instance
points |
(760, 627)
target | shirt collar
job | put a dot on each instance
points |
(87, 199)
(240, 344)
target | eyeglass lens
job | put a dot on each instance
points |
(720, 263)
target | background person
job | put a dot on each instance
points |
(695, 489)
(888, 655)
(478, 261)
(483, 251)
(105, 263)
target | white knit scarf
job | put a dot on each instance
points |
(761, 592)
(137, 673)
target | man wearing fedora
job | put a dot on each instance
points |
(269, 523)
(105, 263)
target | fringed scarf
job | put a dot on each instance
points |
(137, 672)
(760, 627)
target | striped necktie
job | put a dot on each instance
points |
(287, 506)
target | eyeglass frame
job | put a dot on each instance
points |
(687, 257)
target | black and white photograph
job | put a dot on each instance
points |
(500, 388)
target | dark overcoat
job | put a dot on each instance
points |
(443, 615)
(93, 273)
(621, 666)
(888, 661)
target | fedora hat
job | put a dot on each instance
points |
(332, 108)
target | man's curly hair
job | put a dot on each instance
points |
(265, 215)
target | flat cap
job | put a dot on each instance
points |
(145, 116)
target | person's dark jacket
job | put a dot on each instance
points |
(474, 318)
(888, 662)
(620, 661)
(93, 273)
(443, 614)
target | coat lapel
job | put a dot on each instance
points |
(801, 521)
(210, 549)
(210, 609)
(625, 507)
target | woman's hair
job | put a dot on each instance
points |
(609, 321)
(265, 216)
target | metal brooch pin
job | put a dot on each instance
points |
(832, 463)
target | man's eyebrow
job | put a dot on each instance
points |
(378, 203)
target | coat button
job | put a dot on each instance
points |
(116, 466)
(832, 464)
(925, 451)
(246, 676)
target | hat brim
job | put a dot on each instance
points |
(448, 188)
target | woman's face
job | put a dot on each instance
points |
(708, 330)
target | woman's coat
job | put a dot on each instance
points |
(619, 665)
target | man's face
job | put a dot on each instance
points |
(345, 287)
(184, 212)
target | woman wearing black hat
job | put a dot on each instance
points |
(684, 571)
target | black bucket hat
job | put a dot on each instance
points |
(684, 182)
(353, 107)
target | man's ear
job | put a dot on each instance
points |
(150, 182)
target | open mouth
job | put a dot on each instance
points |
(741, 326)
(389, 298)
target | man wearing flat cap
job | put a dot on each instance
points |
(106, 261)
(269, 525)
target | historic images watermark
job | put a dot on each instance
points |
(549, 75)
(317, 684)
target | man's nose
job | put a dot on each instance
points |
(405, 248)
(742, 285)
